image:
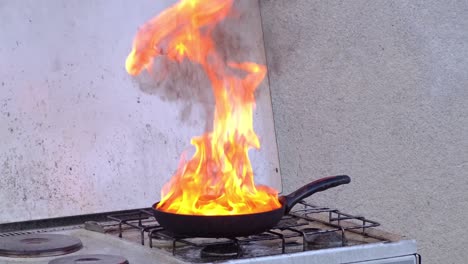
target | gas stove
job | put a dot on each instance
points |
(308, 234)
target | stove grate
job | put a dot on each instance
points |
(136, 220)
(333, 223)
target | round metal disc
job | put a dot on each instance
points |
(90, 259)
(325, 240)
(228, 250)
(38, 245)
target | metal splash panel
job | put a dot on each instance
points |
(79, 135)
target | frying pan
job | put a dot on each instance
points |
(241, 225)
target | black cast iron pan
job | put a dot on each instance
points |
(241, 225)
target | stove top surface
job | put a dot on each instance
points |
(98, 243)
(310, 234)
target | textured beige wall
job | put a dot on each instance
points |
(377, 90)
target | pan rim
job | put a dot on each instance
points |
(218, 216)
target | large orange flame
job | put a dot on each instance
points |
(218, 179)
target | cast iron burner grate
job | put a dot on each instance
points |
(38, 245)
(308, 228)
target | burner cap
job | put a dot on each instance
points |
(161, 239)
(38, 245)
(90, 259)
(228, 250)
(325, 240)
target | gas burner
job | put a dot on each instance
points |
(290, 222)
(262, 236)
(319, 239)
(38, 245)
(311, 230)
(228, 250)
(160, 238)
(94, 259)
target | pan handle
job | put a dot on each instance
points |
(316, 186)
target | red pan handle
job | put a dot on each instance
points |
(307, 190)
